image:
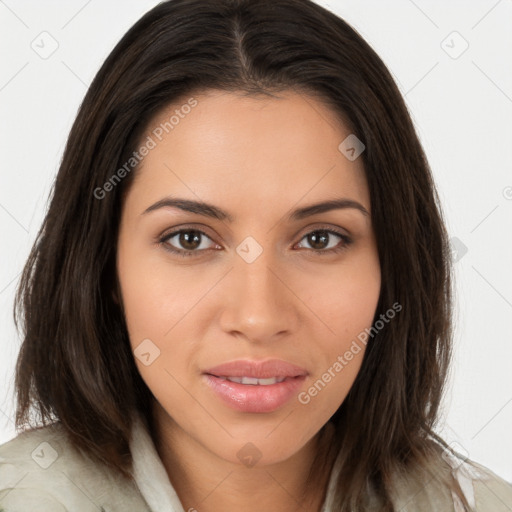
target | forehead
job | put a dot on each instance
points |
(249, 150)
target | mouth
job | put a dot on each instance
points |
(258, 370)
(255, 386)
(252, 381)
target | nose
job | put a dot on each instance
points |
(258, 304)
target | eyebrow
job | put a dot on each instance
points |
(209, 210)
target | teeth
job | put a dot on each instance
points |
(249, 380)
(256, 382)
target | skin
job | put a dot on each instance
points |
(258, 158)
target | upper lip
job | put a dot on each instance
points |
(257, 369)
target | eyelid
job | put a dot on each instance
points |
(324, 227)
(200, 228)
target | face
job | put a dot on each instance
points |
(256, 287)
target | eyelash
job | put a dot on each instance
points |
(184, 253)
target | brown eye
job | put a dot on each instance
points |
(318, 239)
(189, 240)
(324, 241)
(186, 241)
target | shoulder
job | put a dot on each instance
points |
(41, 470)
(483, 489)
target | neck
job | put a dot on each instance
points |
(207, 483)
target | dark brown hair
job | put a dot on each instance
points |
(75, 363)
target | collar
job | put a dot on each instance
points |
(149, 472)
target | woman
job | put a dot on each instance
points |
(240, 298)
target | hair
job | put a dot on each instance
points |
(75, 364)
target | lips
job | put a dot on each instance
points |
(255, 386)
(257, 369)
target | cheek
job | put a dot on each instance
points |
(348, 305)
(155, 296)
(346, 298)
(158, 301)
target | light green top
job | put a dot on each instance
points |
(40, 471)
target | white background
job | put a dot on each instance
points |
(462, 108)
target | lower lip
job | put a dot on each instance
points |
(250, 398)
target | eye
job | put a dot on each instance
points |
(190, 242)
(324, 241)
(186, 242)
